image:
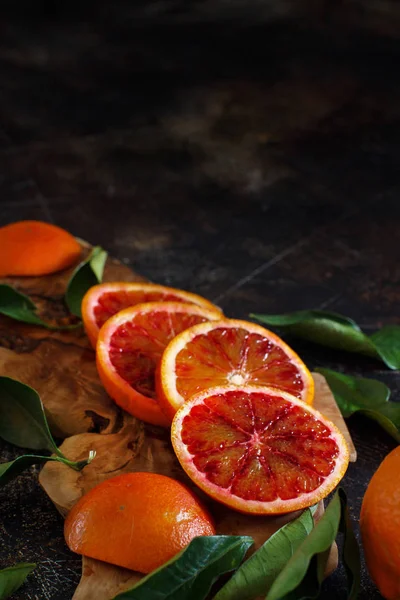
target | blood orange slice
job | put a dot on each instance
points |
(257, 449)
(130, 345)
(103, 301)
(229, 352)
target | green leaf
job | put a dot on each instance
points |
(366, 396)
(387, 344)
(22, 418)
(190, 574)
(17, 306)
(322, 327)
(299, 316)
(10, 470)
(87, 274)
(355, 392)
(316, 544)
(351, 551)
(23, 423)
(339, 332)
(256, 576)
(13, 577)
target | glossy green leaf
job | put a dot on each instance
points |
(17, 306)
(22, 418)
(355, 392)
(190, 575)
(366, 396)
(387, 344)
(87, 274)
(300, 316)
(13, 577)
(339, 332)
(10, 470)
(295, 580)
(256, 576)
(23, 423)
(351, 551)
(322, 327)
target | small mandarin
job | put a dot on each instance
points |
(136, 520)
(380, 526)
(34, 248)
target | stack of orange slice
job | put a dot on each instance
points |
(239, 398)
(105, 300)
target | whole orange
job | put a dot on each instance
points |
(380, 526)
(136, 520)
(34, 248)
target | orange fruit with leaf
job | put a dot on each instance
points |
(380, 526)
(136, 520)
(34, 248)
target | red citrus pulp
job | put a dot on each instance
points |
(229, 352)
(129, 347)
(257, 449)
(105, 300)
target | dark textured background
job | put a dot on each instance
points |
(249, 153)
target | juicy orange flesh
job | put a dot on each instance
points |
(109, 303)
(234, 356)
(259, 447)
(136, 346)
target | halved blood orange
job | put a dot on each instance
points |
(103, 301)
(229, 352)
(130, 345)
(257, 449)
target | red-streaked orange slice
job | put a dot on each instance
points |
(257, 449)
(229, 352)
(129, 347)
(103, 301)
(35, 248)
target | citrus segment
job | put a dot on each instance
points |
(105, 300)
(151, 518)
(229, 352)
(257, 449)
(129, 347)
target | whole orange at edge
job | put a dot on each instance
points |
(380, 526)
(136, 520)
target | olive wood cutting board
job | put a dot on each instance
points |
(60, 365)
